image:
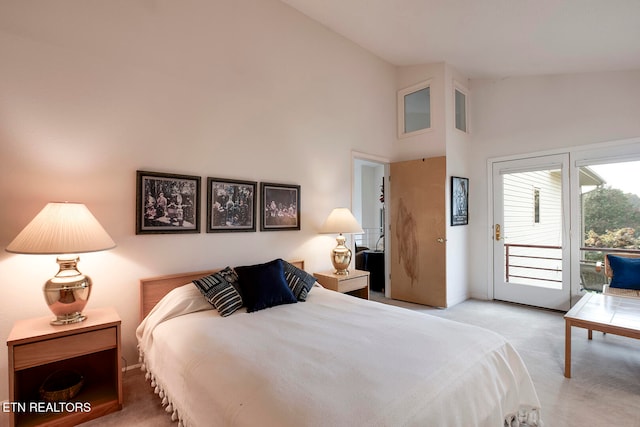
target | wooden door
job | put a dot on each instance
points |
(418, 231)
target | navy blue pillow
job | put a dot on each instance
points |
(626, 272)
(263, 286)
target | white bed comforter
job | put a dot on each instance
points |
(333, 360)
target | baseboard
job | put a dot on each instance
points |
(129, 368)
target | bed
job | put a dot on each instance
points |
(329, 359)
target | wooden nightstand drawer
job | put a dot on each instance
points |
(51, 350)
(353, 284)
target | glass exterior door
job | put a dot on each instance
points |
(530, 234)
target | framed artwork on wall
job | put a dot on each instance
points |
(459, 201)
(231, 205)
(280, 207)
(167, 203)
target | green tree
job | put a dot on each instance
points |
(607, 208)
(611, 219)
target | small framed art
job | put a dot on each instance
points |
(459, 201)
(280, 207)
(167, 203)
(231, 205)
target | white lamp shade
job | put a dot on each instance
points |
(341, 220)
(62, 228)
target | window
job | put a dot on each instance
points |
(536, 205)
(417, 114)
(461, 110)
(609, 200)
(414, 109)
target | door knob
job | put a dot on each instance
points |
(440, 240)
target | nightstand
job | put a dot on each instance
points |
(37, 349)
(355, 283)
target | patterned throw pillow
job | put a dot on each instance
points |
(300, 282)
(221, 290)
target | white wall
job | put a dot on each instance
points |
(458, 164)
(431, 143)
(514, 116)
(370, 215)
(90, 92)
(366, 205)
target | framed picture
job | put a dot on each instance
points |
(459, 201)
(231, 205)
(167, 203)
(280, 207)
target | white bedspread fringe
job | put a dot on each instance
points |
(166, 402)
(527, 416)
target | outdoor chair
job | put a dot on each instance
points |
(625, 283)
(592, 276)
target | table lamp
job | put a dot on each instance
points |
(64, 229)
(341, 220)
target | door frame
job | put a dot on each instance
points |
(358, 155)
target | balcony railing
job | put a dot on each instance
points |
(610, 250)
(544, 262)
(527, 260)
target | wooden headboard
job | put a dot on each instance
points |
(153, 289)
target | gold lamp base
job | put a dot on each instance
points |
(67, 293)
(341, 256)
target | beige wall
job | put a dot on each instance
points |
(90, 92)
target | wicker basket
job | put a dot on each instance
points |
(61, 385)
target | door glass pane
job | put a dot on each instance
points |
(532, 228)
(610, 217)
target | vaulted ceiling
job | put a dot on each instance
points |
(490, 38)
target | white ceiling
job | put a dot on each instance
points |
(490, 38)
